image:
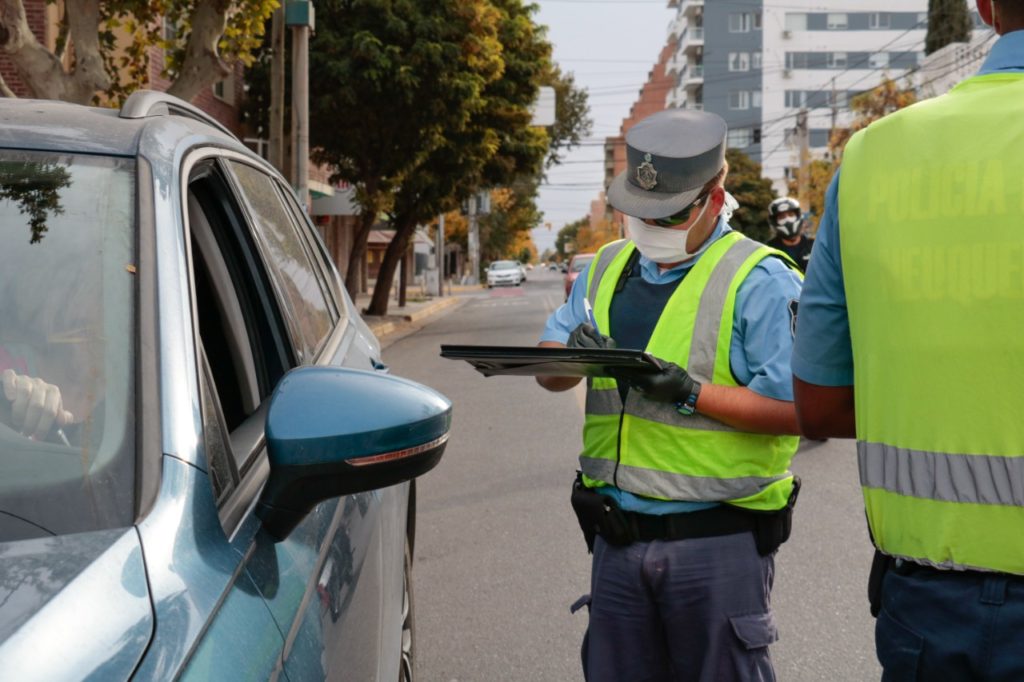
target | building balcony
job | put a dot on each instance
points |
(694, 74)
(673, 65)
(677, 27)
(691, 42)
(692, 8)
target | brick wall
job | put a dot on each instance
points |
(36, 13)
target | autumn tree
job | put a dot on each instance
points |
(752, 192)
(103, 48)
(949, 21)
(565, 240)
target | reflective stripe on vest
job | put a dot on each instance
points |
(933, 265)
(658, 452)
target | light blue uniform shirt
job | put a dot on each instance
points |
(823, 354)
(762, 339)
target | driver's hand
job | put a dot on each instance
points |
(36, 406)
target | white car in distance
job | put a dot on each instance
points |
(504, 272)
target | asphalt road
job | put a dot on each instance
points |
(499, 557)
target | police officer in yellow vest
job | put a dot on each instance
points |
(685, 490)
(911, 338)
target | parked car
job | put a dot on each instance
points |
(522, 269)
(502, 272)
(227, 489)
(577, 264)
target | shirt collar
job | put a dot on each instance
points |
(1007, 54)
(654, 273)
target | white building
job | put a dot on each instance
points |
(757, 63)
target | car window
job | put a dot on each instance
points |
(504, 265)
(67, 300)
(309, 316)
(243, 346)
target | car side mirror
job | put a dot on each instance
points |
(334, 431)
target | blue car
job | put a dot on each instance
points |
(206, 471)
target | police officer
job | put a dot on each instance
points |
(685, 490)
(915, 348)
(786, 219)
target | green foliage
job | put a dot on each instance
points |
(949, 21)
(572, 114)
(505, 231)
(567, 237)
(753, 193)
(129, 28)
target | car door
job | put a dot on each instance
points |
(324, 584)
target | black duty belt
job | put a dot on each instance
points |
(705, 523)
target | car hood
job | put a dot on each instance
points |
(74, 606)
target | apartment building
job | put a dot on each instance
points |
(760, 63)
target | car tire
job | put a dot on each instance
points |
(407, 669)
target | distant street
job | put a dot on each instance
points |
(499, 557)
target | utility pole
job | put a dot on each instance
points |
(803, 139)
(473, 241)
(299, 16)
(277, 82)
(440, 255)
(835, 110)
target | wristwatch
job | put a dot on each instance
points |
(689, 405)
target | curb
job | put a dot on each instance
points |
(383, 327)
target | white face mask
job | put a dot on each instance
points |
(663, 244)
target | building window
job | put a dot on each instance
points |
(796, 60)
(739, 23)
(796, 99)
(739, 61)
(837, 60)
(796, 21)
(755, 99)
(224, 89)
(842, 99)
(739, 100)
(878, 60)
(739, 138)
(755, 60)
(837, 21)
(756, 16)
(757, 136)
(922, 20)
(879, 20)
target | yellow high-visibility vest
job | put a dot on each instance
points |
(649, 448)
(931, 209)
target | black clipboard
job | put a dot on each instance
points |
(559, 362)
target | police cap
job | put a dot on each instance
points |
(670, 156)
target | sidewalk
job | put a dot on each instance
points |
(416, 309)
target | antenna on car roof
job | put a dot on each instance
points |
(146, 103)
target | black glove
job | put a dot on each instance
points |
(585, 336)
(671, 385)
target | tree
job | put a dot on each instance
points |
(103, 47)
(572, 114)
(565, 240)
(752, 192)
(405, 76)
(867, 108)
(949, 21)
(497, 146)
(505, 232)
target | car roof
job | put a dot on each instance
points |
(50, 125)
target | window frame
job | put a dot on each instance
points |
(739, 100)
(739, 60)
(837, 21)
(838, 60)
(746, 133)
(876, 23)
(742, 23)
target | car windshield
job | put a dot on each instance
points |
(504, 265)
(581, 262)
(67, 224)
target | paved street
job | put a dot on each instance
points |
(500, 557)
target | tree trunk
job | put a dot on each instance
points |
(358, 253)
(202, 65)
(403, 279)
(39, 69)
(396, 250)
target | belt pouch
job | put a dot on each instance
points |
(773, 528)
(598, 515)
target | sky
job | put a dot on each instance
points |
(609, 46)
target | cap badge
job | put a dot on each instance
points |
(646, 176)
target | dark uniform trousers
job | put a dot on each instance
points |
(950, 626)
(693, 609)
